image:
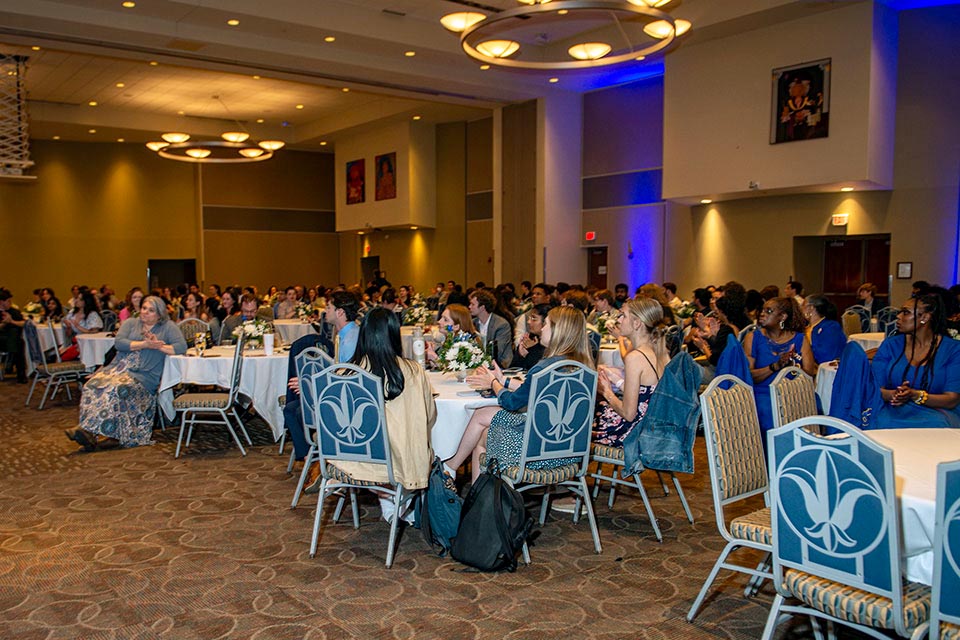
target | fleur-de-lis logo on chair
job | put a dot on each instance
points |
(830, 485)
(562, 401)
(348, 403)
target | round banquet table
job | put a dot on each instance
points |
(93, 347)
(916, 454)
(868, 340)
(263, 379)
(290, 330)
(455, 404)
(609, 355)
(826, 374)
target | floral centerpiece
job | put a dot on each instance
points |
(604, 322)
(953, 333)
(524, 306)
(685, 311)
(33, 309)
(253, 331)
(419, 315)
(460, 353)
(305, 311)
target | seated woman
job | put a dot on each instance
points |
(193, 308)
(530, 350)
(826, 336)
(84, 317)
(643, 324)
(229, 304)
(53, 310)
(778, 342)
(564, 335)
(708, 338)
(454, 319)
(131, 307)
(410, 409)
(118, 402)
(918, 369)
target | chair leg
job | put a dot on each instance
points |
(397, 502)
(36, 376)
(226, 421)
(46, 391)
(243, 429)
(755, 582)
(683, 498)
(709, 581)
(316, 520)
(183, 426)
(646, 505)
(293, 455)
(283, 441)
(303, 476)
(339, 510)
(613, 487)
(545, 505)
(590, 515)
(526, 553)
(354, 508)
(774, 614)
(66, 387)
(666, 489)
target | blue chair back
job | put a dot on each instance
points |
(560, 413)
(750, 328)
(308, 362)
(834, 510)
(945, 603)
(33, 345)
(349, 411)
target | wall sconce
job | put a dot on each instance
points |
(840, 219)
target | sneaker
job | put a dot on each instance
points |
(314, 478)
(566, 505)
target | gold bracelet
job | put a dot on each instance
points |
(922, 399)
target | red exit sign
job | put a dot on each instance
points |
(590, 236)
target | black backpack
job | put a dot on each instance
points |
(439, 512)
(494, 524)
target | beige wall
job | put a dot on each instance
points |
(268, 184)
(265, 258)
(95, 214)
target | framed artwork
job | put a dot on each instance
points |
(801, 102)
(904, 270)
(386, 176)
(355, 181)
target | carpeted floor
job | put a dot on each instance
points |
(133, 544)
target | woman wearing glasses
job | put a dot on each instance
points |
(919, 369)
(778, 342)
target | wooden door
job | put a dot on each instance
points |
(597, 267)
(849, 262)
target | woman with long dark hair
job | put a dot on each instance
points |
(131, 306)
(919, 369)
(410, 408)
(84, 317)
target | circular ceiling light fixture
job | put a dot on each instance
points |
(235, 136)
(545, 29)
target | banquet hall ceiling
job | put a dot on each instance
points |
(208, 73)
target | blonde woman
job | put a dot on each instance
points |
(642, 324)
(564, 336)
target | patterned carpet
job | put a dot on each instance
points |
(133, 544)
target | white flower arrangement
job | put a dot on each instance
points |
(418, 315)
(417, 300)
(603, 323)
(305, 311)
(33, 309)
(253, 331)
(460, 353)
(686, 311)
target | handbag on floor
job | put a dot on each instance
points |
(494, 524)
(440, 510)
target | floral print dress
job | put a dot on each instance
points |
(114, 404)
(610, 428)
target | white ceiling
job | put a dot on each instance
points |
(204, 76)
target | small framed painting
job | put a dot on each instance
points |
(355, 181)
(386, 166)
(801, 102)
(904, 270)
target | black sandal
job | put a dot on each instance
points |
(80, 437)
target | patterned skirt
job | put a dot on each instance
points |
(115, 405)
(505, 442)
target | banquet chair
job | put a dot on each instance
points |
(673, 338)
(863, 315)
(792, 396)
(109, 320)
(191, 327)
(308, 362)
(213, 408)
(944, 603)
(351, 427)
(53, 374)
(747, 330)
(737, 472)
(836, 532)
(887, 320)
(558, 426)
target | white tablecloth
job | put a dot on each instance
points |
(826, 374)
(93, 347)
(916, 454)
(610, 356)
(453, 411)
(47, 341)
(868, 340)
(263, 380)
(290, 330)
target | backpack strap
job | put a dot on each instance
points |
(506, 547)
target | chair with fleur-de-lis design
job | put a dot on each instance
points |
(308, 362)
(351, 427)
(836, 532)
(556, 438)
(945, 605)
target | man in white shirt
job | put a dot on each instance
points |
(793, 289)
(670, 289)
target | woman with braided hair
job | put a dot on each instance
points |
(918, 369)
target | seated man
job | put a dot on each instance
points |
(287, 308)
(248, 311)
(492, 328)
(342, 308)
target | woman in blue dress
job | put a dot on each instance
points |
(826, 336)
(564, 336)
(778, 342)
(919, 369)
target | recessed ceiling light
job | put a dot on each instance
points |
(323, 143)
(120, 85)
(259, 120)
(233, 22)
(359, 233)
(329, 39)
(299, 106)
(120, 140)
(845, 189)
(414, 228)
(129, 4)
(256, 77)
(92, 103)
(639, 58)
(562, 12)
(56, 137)
(91, 130)
(35, 48)
(154, 63)
(409, 54)
(706, 201)
(416, 117)
(345, 89)
(484, 67)
(554, 80)
(181, 113)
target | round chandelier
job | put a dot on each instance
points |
(550, 35)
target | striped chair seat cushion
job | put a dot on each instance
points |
(65, 367)
(859, 607)
(754, 527)
(539, 476)
(608, 452)
(340, 476)
(202, 401)
(949, 631)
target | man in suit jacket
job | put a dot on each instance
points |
(492, 327)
